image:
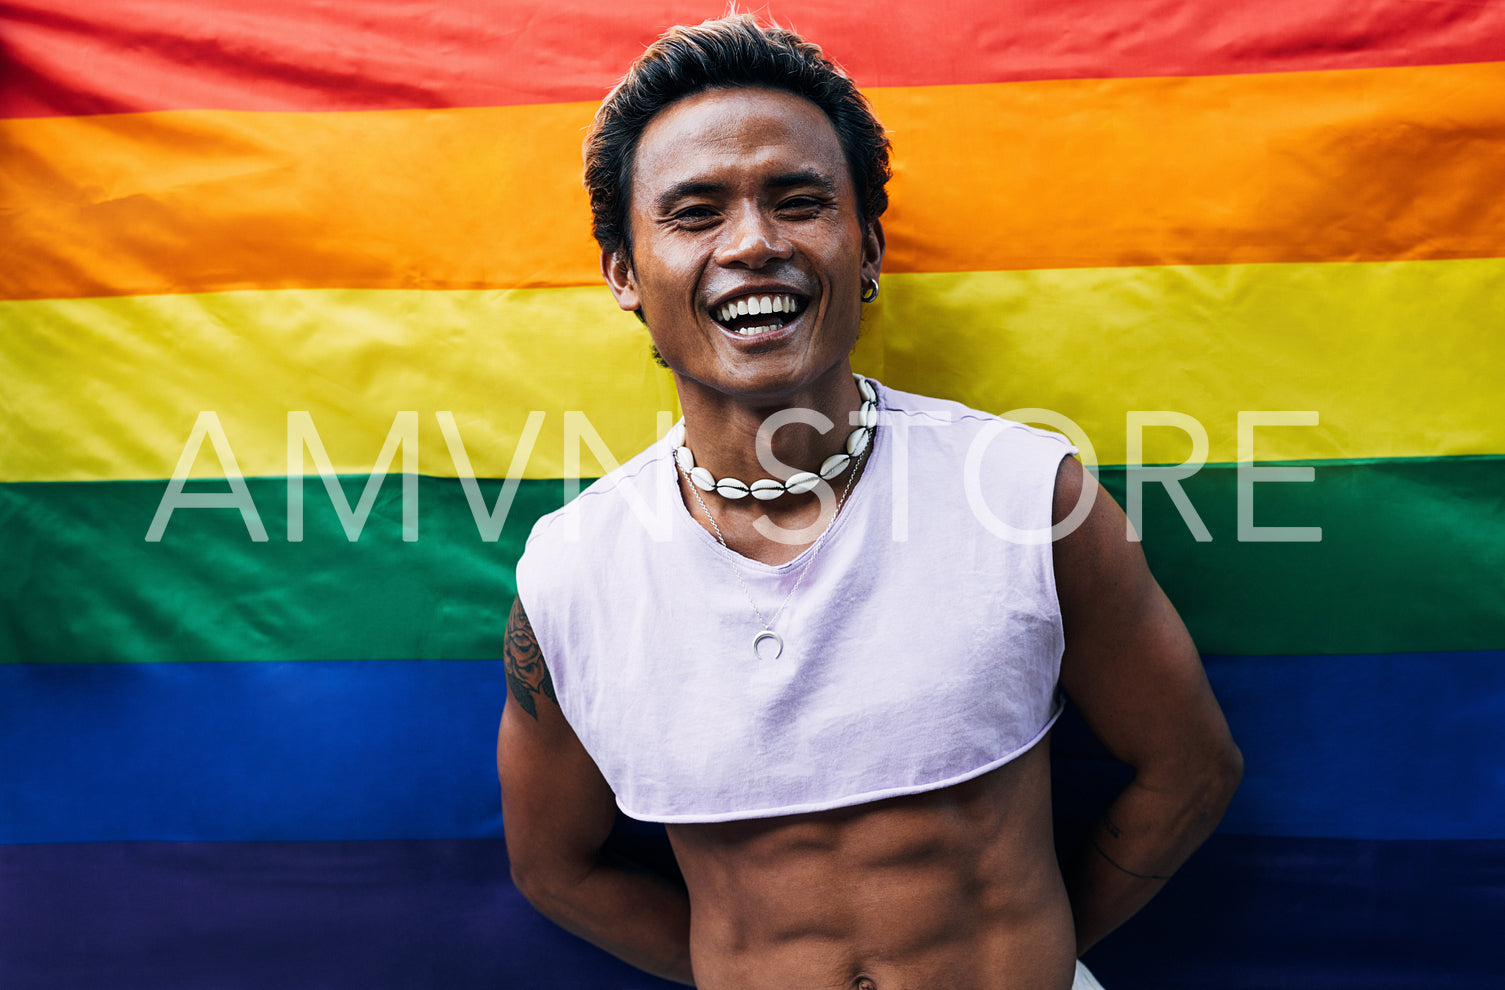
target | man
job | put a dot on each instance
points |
(832, 666)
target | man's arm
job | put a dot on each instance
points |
(1132, 670)
(557, 813)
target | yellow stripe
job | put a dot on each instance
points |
(110, 388)
(1372, 164)
(1398, 359)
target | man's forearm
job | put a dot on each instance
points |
(637, 915)
(1145, 836)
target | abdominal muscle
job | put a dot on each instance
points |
(952, 889)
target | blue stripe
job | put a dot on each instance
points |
(1245, 913)
(1392, 746)
(369, 749)
(1388, 746)
(1381, 746)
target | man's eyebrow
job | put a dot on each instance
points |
(803, 177)
(685, 190)
(784, 180)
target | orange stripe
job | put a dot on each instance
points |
(1369, 165)
(1373, 164)
(193, 201)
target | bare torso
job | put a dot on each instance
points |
(955, 889)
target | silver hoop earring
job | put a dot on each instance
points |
(869, 290)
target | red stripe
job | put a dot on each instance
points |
(113, 56)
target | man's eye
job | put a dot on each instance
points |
(695, 215)
(802, 206)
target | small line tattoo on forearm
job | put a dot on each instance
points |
(1123, 869)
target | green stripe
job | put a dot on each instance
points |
(1410, 560)
(83, 584)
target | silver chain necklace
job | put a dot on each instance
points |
(767, 633)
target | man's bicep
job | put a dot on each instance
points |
(1129, 665)
(557, 809)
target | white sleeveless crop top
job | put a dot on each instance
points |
(921, 649)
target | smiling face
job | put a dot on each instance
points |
(748, 249)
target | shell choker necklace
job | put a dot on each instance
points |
(797, 484)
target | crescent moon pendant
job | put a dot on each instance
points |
(778, 644)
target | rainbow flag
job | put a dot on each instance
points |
(280, 281)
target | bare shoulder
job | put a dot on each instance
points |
(536, 743)
(1097, 566)
(528, 680)
(556, 808)
(1109, 600)
(1129, 663)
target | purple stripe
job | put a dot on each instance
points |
(1256, 913)
(1247, 913)
(259, 916)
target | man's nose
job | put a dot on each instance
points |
(752, 239)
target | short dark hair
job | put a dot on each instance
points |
(729, 53)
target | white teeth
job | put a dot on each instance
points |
(750, 331)
(756, 306)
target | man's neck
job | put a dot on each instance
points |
(721, 430)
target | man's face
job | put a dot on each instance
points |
(741, 197)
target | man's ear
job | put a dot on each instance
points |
(616, 268)
(872, 250)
